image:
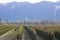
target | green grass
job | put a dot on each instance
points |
(5, 28)
(20, 32)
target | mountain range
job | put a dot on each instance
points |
(20, 10)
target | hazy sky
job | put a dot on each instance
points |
(31, 1)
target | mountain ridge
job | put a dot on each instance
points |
(41, 10)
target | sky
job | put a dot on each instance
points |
(31, 1)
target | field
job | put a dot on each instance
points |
(44, 32)
(32, 32)
(5, 28)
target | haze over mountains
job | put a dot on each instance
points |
(20, 10)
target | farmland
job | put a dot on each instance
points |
(30, 32)
(4, 29)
